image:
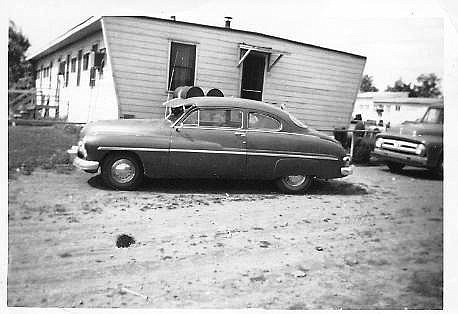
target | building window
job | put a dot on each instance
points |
(61, 68)
(182, 65)
(73, 65)
(85, 61)
(398, 108)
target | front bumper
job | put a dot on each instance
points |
(86, 165)
(346, 171)
(83, 164)
(406, 159)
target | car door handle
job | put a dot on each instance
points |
(241, 134)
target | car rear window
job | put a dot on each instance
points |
(259, 121)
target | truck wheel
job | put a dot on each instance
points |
(122, 171)
(394, 166)
(294, 184)
(439, 169)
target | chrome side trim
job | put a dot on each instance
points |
(142, 149)
(232, 152)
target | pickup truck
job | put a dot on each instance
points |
(418, 144)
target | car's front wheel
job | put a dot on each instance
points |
(394, 166)
(122, 171)
(294, 184)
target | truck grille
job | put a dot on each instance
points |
(399, 146)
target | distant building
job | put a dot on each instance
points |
(115, 67)
(392, 107)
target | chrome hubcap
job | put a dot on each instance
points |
(123, 170)
(294, 180)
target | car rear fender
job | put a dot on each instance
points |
(320, 168)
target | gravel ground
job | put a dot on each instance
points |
(370, 241)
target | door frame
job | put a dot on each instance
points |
(242, 67)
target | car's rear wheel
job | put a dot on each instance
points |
(122, 171)
(294, 184)
(395, 166)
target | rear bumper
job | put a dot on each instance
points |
(406, 159)
(346, 171)
(86, 165)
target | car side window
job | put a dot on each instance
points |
(259, 121)
(192, 119)
(226, 118)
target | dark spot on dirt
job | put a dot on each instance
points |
(264, 244)
(427, 284)
(166, 258)
(258, 278)
(319, 248)
(66, 254)
(124, 240)
(58, 208)
(298, 306)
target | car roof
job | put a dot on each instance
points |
(209, 101)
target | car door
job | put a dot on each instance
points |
(209, 143)
(268, 148)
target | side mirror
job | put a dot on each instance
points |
(178, 127)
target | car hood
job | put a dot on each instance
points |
(417, 129)
(124, 126)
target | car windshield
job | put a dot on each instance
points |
(434, 115)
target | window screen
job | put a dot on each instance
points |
(260, 121)
(182, 65)
(73, 65)
(85, 61)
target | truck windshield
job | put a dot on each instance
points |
(434, 115)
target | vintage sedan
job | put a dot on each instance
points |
(212, 137)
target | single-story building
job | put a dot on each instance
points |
(392, 107)
(115, 67)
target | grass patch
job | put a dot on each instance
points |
(40, 146)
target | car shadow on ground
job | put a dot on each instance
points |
(210, 186)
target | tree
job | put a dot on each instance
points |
(366, 84)
(428, 86)
(399, 86)
(19, 68)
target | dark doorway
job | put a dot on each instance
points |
(253, 76)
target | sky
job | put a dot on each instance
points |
(401, 39)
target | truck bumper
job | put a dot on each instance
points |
(406, 159)
(346, 171)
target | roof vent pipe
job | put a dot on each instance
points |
(173, 17)
(228, 21)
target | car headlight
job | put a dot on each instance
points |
(82, 147)
(379, 142)
(421, 149)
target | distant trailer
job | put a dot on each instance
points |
(115, 67)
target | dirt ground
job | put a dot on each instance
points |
(370, 241)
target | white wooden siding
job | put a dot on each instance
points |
(317, 85)
(81, 103)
